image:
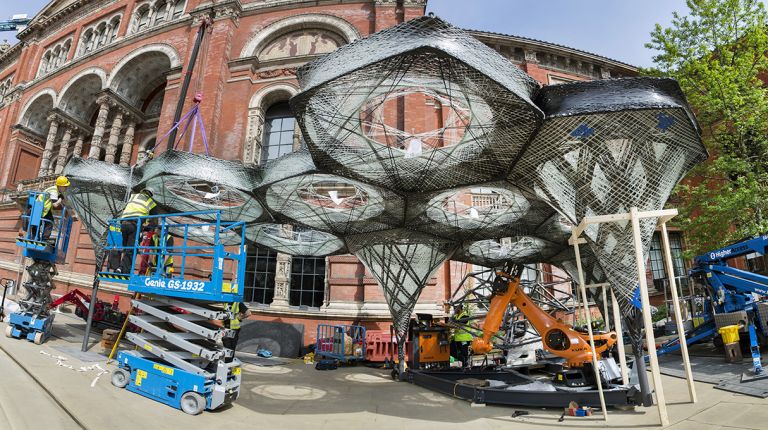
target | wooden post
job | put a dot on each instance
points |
(583, 289)
(678, 315)
(649, 338)
(620, 339)
(605, 308)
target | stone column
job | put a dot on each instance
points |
(63, 149)
(282, 281)
(98, 131)
(78, 151)
(252, 150)
(49, 142)
(114, 136)
(296, 137)
(125, 155)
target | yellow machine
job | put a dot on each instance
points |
(431, 344)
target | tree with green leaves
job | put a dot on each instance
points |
(718, 54)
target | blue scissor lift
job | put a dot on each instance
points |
(180, 359)
(33, 321)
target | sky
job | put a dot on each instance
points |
(8, 8)
(616, 29)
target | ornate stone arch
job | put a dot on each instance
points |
(311, 20)
(47, 91)
(257, 106)
(98, 71)
(168, 50)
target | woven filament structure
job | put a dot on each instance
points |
(402, 262)
(188, 182)
(295, 240)
(605, 147)
(423, 144)
(362, 109)
(97, 193)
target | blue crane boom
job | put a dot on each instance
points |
(17, 22)
(732, 290)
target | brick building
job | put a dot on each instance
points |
(101, 79)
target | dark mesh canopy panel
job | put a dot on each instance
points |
(402, 262)
(489, 210)
(97, 193)
(362, 109)
(423, 144)
(188, 182)
(334, 203)
(518, 249)
(604, 147)
(295, 240)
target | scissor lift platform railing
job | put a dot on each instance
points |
(34, 321)
(33, 243)
(176, 314)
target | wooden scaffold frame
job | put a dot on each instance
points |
(634, 216)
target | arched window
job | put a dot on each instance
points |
(55, 58)
(115, 27)
(143, 19)
(178, 9)
(161, 12)
(279, 125)
(88, 41)
(44, 63)
(65, 51)
(4, 88)
(101, 36)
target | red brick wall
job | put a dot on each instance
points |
(225, 104)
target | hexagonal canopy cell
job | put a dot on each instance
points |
(484, 211)
(187, 182)
(198, 229)
(605, 147)
(421, 106)
(496, 253)
(295, 240)
(334, 204)
(284, 167)
(97, 193)
(402, 261)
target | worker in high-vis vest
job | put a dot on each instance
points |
(52, 198)
(462, 336)
(239, 312)
(167, 264)
(139, 204)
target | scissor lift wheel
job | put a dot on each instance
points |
(9, 331)
(192, 403)
(120, 378)
(38, 338)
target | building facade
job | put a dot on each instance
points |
(101, 79)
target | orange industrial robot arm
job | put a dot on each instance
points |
(557, 337)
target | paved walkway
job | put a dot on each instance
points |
(295, 396)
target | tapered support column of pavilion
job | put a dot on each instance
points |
(104, 103)
(125, 155)
(63, 149)
(402, 262)
(53, 129)
(114, 137)
(78, 151)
